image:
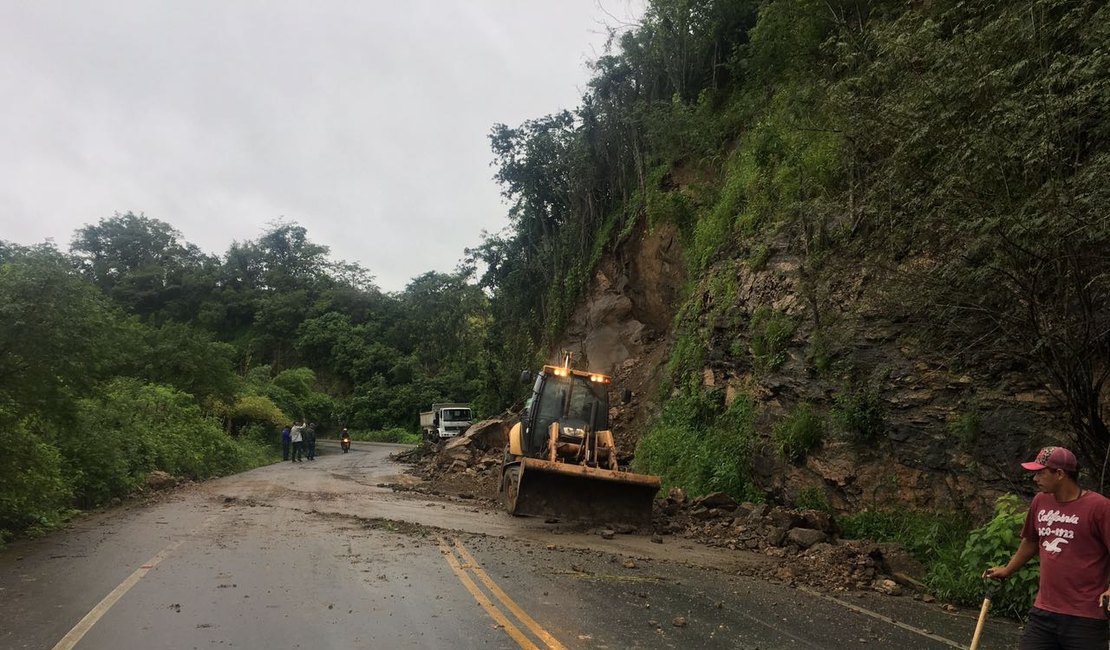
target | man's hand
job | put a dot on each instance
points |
(1104, 600)
(1001, 573)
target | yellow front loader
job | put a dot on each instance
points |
(561, 460)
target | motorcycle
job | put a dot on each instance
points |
(345, 443)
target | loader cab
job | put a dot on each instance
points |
(573, 398)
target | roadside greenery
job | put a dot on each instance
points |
(701, 446)
(137, 353)
(954, 554)
(395, 434)
(860, 411)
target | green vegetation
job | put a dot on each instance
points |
(955, 556)
(798, 434)
(860, 411)
(135, 353)
(966, 427)
(990, 545)
(770, 332)
(966, 138)
(950, 156)
(813, 498)
(395, 434)
(701, 446)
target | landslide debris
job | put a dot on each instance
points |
(807, 542)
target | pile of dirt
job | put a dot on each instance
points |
(465, 467)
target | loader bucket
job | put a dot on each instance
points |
(580, 493)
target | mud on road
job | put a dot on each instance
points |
(360, 550)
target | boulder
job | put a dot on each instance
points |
(896, 561)
(489, 434)
(718, 500)
(805, 537)
(775, 535)
(159, 480)
(819, 520)
(784, 518)
(482, 436)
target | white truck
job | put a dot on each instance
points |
(445, 420)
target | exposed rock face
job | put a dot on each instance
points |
(621, 327)
(919, 458)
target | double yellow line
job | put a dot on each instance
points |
(464, 565)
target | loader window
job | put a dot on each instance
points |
(553, 399)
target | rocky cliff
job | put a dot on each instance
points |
(948, 439)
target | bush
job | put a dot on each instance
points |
(35, 494)
(771, 332)
(966, 428)
(798, 434)
(988, 546)
(257, 410)
(860, 411)
(130, 429)
(813, 498)
(396, 434)
(700, 447)
(819, 353)
(954, 557)
(926, 535)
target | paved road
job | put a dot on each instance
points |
(317, 555)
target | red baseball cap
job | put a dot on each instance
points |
(1052, 458)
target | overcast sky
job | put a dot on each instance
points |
(367, 122)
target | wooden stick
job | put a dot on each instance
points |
(979, 626)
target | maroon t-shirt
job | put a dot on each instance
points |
(1073, 539)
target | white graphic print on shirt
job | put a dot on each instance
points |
(1060, 535)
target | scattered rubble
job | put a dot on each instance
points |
(808, 541)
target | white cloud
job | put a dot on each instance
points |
(365, 122)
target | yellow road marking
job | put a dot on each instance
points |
(101, 608)
(520, 614)
(491, 609)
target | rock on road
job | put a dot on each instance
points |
(316, 555)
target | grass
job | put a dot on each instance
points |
(396, 434)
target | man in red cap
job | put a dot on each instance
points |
(1069, 528)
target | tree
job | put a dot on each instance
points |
(59, 335)
(141, 263)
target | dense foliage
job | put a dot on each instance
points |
(135, 352)
(956, 554)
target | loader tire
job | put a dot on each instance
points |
(510, 489)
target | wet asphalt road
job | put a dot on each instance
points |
(316, 555)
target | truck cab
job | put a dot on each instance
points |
(445, 421)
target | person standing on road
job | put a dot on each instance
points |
(1069, 528)
(285, 440)
(310, 440)
(296, 435)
